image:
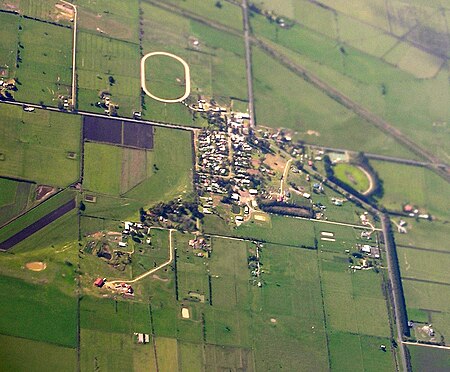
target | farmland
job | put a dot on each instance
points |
(413, 185)
(43, 70)
(365, 68)
(22, 354)
(36, 146)
(14, 198)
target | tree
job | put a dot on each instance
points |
(218, 4)
(112, 81)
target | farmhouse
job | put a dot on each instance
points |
(99, 282)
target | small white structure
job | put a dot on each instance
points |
(185, 313)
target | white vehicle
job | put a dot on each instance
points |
(28, 109)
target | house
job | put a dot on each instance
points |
(123, 244)
(253, 191)
(408, 208)
(99, 282)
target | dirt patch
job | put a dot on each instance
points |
(44, 191)
(134, 169)
(36, 266)
(311, 132)
(275, 162)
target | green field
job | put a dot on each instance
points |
(33, 215)
(418, 186)
(8, 42)
(425, 234)
(352, 176)
(8, 194)
(425, 358)
(283, 99)
(19, 354)
(38, 312)
(139, 177)
(113, 19)
(345, 46)
(46, 54)
(217, 64)
(35, 146)
(100, 58)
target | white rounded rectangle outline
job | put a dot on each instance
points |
(187, 77)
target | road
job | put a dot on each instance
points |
(392, 159)
(248, 63)
(111, 284)
(85, 113)
(427, 345)
(74, 52)
(358, 109)
(397, 293)
(284, 177)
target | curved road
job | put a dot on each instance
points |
(110, 285)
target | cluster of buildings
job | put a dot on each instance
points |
(214, 153)
(200, 246)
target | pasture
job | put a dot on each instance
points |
(280, 230)
(35, 146)
(348, 53)
(114, 19)
(425, 358)
(20, 354)
(425, 234)
(14, 198)
(352, 176)
(215, 58)
(33, 215)
(354, 301)
(37, 312)
(8, 44)
(283, 99)
(418, 186)
(44, 62)
(109, 65)
(432, 299)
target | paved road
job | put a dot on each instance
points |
(396, 292)
(85, 113)
(248, 63)
(427, 345)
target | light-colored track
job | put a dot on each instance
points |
(187, 77)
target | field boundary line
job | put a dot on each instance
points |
(74, 51)
(426, 345)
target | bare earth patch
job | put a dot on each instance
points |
(44, 191)
(310, 132)
(36, 266)
(154, 276)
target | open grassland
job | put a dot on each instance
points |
(19, 354)
(163, 174)
(102, 168)
(280, 230)
(217, 64)
(425, 234)
(424, 265)
(35, 214)
(45, 10)
(169, 172)
(352, 176)
(425, 358)
(8, 43)
(115, 19)
(44, 62)
(431, 299)
(358, 54)
(38, 312)
(8, 194)
(418, 186)
(36, 145)
(106, 64)
(113, 207)
(354, 301)
(222, 12)
(288, 323)
(283, 99)
(347, 56)
(345, 238)
(351, 351)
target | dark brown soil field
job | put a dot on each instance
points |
(102, 130)
(138, 135)
(39, 224)
(117, 132)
